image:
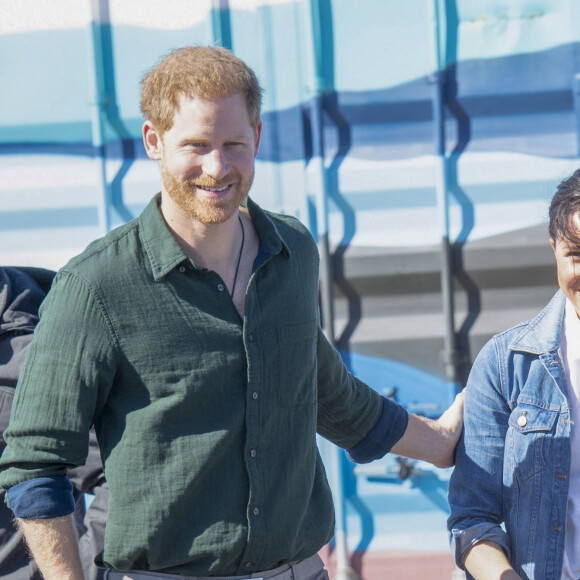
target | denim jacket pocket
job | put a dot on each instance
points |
(528, 439)
(297, 364)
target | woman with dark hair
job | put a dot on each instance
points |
(515, 491)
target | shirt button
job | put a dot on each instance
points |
(256, 511)
(522, 420)
(253, 453)
(254, 395)
(220, 287)
(182, 269)
(248, 564)
(251, 337)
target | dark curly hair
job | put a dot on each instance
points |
(564, 206)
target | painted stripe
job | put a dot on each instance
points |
(402, 198)
(498, 108)
(548, 134)
(48, 218)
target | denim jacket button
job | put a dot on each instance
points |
(522, 420)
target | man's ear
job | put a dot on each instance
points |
(553, 244)
(152, 141)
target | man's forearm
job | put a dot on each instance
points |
(487, 561)
(53, 544)
(433, 441)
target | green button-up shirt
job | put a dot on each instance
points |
(206, 422)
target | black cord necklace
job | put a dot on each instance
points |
(239, 256)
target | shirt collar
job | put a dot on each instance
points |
(572, 330)
(164, 253)
(542, 333)
(270, 237)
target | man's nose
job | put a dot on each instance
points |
(215, 164)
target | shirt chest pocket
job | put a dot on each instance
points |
(297, 364)
(529, 439)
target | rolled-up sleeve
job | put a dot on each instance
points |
(463, 540)
(41, 498)
(349, 411)
(64, 382)
(476, 486)
(389, 429)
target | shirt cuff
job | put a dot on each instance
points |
(41, 498)
(389, 429)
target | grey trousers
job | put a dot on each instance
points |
(310, 569)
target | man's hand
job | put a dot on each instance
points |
(54, 547)
(433, 441)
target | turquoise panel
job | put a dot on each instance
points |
(65, 132)
(44, 77)
(270, 40)
(382, 43)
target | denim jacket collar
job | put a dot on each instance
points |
(542, 334)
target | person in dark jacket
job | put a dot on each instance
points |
(21, 292)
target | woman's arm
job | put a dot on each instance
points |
(487, 561)
(476, 487)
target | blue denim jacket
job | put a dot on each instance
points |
(513, 460)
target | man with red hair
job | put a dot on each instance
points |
(192, 342)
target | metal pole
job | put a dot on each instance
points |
(343, 568)
(317, 91)
(450, 356)
(99, 104)
(272, 126)
(221, 23)
(326, 292)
